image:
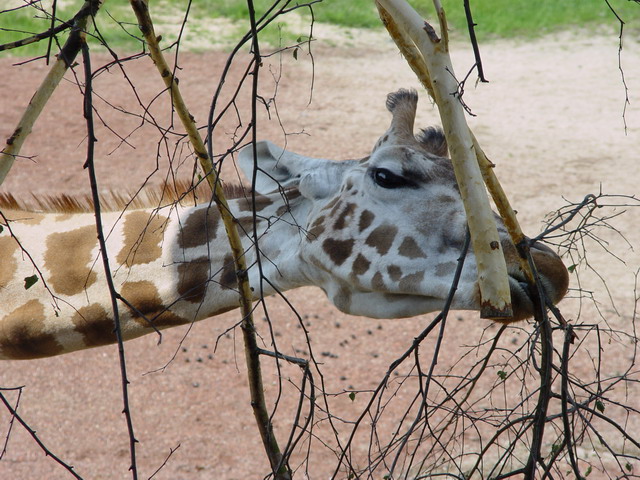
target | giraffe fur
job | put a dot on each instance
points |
(381, 236)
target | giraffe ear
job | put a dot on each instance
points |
(276, 167)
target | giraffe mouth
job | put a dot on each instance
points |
(552, 278)
(521, 298)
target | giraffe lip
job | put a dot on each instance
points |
(519, 284)
(521, 300)
(523, 285)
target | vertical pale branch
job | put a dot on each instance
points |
(65, 59)
(429, 59)
(504, 208)
(407, 49)
(141, 9)
(436, 67)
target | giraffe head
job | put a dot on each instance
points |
(383, 235)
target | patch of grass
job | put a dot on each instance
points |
(276, 33)
(24, 22)
(117, 24)
(352, 13)
(526, 18)
(495, 18)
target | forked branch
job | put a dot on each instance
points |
(428, 56)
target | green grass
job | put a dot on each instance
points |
(517, 18)
(495, 18)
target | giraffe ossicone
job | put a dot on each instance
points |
(381, 236)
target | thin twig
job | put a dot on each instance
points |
(32, 432)
(279, 465)
(471, 26)
(91, 139)
(622, 77)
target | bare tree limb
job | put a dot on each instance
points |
(141, 9)
(91, 140)
(32, 432)
(47, 87)
(433, 52)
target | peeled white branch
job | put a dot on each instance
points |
(29, 117)
(492, 271)
(45, 90)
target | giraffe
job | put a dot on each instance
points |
(381, 236)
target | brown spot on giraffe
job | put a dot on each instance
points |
(410, 249)
(343, 219)
(445, 269)
(331, 205)
(95, 325)
(193, 279)
(149, 308)
(23, 335)
(316, 228)
(395, 273)
(68, 258)
(381, 238)
(338, 250)
(228, 277)
(377, 282)
(411, 283)
(261, 202)
(199, 228)
(292, 194)
(445, 199)
(142, 238)
(366, 217)
(283, 209)
(342, 299)
(451, 239)
(9, 264)
(361, 265)
(246, 224)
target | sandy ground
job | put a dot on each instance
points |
(551, 118)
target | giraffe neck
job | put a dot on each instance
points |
(170, 266)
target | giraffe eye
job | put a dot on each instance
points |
(387, 179)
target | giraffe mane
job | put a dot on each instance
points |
(182, 191)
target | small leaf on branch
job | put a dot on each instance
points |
(30, 281)
(502, 374)
(352, 396)
(571, 268)
(600, 406)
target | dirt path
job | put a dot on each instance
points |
(550, 118)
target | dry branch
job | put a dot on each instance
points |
(252, 351)
(428, 56)
(65, 59)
